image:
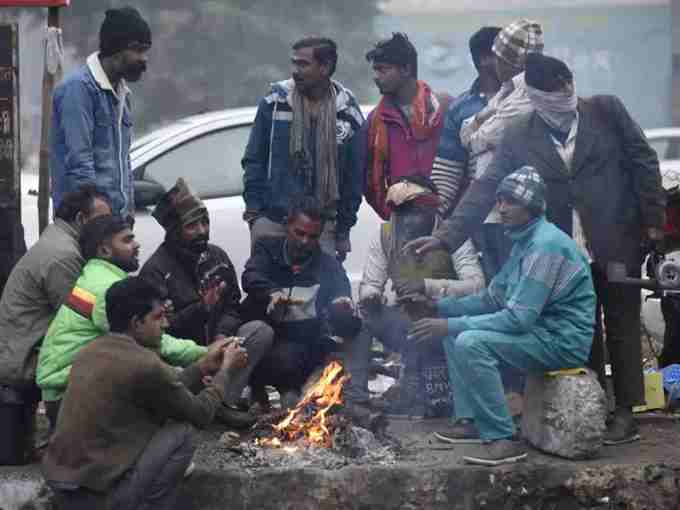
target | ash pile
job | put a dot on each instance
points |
(320, 432)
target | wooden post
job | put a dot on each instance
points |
(12, 244)
(44, 170)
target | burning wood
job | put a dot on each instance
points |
(309, 420)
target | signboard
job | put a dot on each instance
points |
(34, 3)
(9, 185)
(11, 233)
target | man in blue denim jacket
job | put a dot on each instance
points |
(91, 121)
(302, 143)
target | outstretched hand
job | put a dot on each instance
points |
(423, 245)
(427, 331)
(212, 294)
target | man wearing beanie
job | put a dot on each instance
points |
(201, 282)
(536, 315)
(482, 132)
(604, 190)
(91, 128)
(452, 168)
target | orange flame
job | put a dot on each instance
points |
(320, 398)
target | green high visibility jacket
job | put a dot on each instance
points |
(81, 319)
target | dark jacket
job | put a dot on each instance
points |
(176, 272)
(268, 180)
(315, 284)
(119, 395)
(614, 181)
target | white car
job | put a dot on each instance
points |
(205, 150)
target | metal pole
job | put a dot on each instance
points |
(44, 170)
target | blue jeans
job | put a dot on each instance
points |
(473, 359)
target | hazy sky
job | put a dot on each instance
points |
(419, 5)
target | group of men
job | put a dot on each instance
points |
(496, 241)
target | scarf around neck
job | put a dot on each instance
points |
(323, 185)
(427, 114)
(557, 109)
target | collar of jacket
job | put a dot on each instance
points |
(95, 67)
(70, 229)
(525, 231)
(344, 99)
(106, 265)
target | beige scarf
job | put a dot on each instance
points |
(326, 148)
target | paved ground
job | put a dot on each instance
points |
(429, 474)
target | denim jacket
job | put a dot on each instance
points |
(269, 183)
(90, 137)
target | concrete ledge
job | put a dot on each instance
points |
(644, 475)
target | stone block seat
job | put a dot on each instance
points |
(564, 413)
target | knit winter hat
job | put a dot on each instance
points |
(518, 39)
(525, 186)
(417, 190)
(178, 207)
(121, 28)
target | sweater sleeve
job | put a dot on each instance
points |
(165, 393)
(479, 199)
(177, 351)
(375, 275)
(541, 272)
(470, 277)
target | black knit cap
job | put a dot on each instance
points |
(546, 73)
(121, 28)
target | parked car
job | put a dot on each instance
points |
(205, 150)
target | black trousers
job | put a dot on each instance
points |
(621, 306)
(289, 363)
(670, 308)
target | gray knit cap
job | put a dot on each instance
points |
(526, 186)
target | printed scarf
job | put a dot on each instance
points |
(427, 116)
(326, 178)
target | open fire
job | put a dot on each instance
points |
(308, 421)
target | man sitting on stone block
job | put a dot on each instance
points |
(536, 315)
(125, 435)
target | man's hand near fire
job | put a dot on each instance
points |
(343, 318)
(224, 357)
(279, 301)
(211, 295)
(426, 331)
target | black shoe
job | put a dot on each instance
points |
(234, 418)
(463, 431)
(500, 451)
(621, 429)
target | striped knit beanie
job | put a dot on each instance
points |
(525, 186)
(516, 40)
